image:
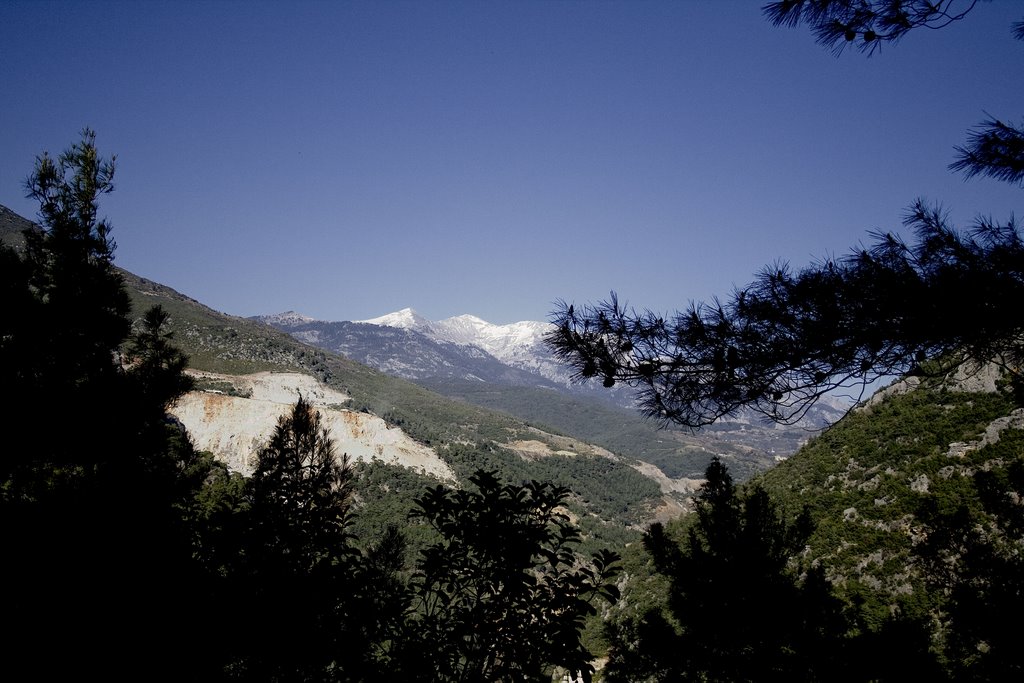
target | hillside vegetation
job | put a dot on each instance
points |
(467, 436)
(115, 513)
(870, 481)
(900, 531)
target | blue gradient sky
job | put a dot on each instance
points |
(347, 159)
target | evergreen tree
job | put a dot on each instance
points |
(739, 611)
(973, 555)
(96, 485)
(291, 576)
(779, 344)
(866, 24)
(786, 339)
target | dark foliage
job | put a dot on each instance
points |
(503, 595)
(782, 342)
(97, 486)
(994, 149)
(741, 612)
(779, 344)
(308, 605)
(865, 24)
(127, 552)
(975, 558)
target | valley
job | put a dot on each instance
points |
(887, 492)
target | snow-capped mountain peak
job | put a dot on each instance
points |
(502, 341)
(518, 344)
(406, 319)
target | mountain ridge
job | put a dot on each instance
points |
(457, 357)
(611, 495)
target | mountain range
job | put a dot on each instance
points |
(502, 368)
(509, 368)
(415, 402)
(400, 437)
(464, 347)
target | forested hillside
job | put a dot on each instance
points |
(890, 547)
(609, 494)
(116, 514)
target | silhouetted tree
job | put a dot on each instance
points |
(293, 577)
(301, 492)
(503, 595)
(866, 24)
(780, 343)
(155, 365)
(741, 612)
(69, 319)
(994, 149)
(97, 485)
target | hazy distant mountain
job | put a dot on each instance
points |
(508, 368)
(462, 348)
(518, 344)
(411, 347)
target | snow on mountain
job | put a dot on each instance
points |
(405, 319)
(505, 342)
(521, 346)
(518, 344)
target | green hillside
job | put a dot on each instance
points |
(914, 504)
(867, 480)
(609, 495)
(675, 452)
(469, 437)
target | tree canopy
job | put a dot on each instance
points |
(780, 343)
(97, 487)
(739, 608)
(789, 337)
(503, 594)
(866, 24)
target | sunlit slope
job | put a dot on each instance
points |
(867, 479)
(464, 435)
(607, 489)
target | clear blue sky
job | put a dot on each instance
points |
(347, 159)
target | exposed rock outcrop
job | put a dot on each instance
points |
(235, 424)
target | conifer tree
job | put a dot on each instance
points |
(740, 611)
(311, 607)
(96, 487)
(791, 336)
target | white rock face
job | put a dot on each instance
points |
(234, 428)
